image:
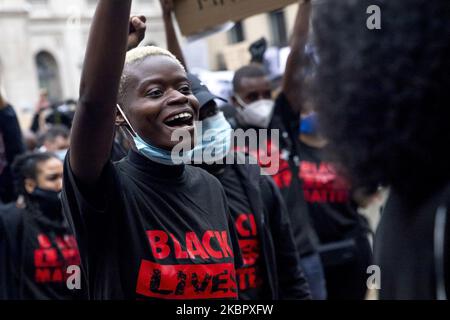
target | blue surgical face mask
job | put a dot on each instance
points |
(215, 140)
(154, 153)
(308, 124)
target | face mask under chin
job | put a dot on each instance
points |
(172, 157)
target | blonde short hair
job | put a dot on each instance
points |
(137, 55)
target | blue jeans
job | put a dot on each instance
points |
(312, 267)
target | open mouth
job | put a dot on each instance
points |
(182, 119)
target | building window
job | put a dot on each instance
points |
(236, 34)
(278, 28)
(48, 75)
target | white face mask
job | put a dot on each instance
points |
(256, 114)
(61, 154)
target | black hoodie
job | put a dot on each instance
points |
(35, 251)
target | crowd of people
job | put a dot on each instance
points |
(100, 186)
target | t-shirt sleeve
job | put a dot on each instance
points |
(91, 210)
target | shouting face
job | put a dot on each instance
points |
(159, 100)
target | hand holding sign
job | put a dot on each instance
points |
(201, 15)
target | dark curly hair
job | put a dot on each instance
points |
(25, 167)
(383, 96)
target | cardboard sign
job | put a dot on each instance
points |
(196, 16)
(236, 55)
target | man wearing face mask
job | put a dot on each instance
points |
(36, 244)
(271, 268)
(56, 140)
(252, 97)
(255, 109)
(344, 246)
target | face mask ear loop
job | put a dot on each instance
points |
(131, 132)
(240, 101)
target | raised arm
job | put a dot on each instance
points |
(93, 126)
(173, 45)
(292, 82)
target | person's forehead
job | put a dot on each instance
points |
(52, 165)
(255, 83)
(56, 140)
(61, 139)
(155, 67)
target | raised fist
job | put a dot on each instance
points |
(137, 31)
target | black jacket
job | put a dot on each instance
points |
(281, 258)
(11, 145)
(18, 226)
(288, 122)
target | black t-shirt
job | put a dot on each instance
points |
(118, 152)
(148, 230)
(37, 250)
(333, 213)
(406, 244)
(250, 279)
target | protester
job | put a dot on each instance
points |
(343, 233)
(271, 263)
(382, 98)
(272, 268)
(11, 145)
(56, 140)
(256, 109)
(36, 245)
(160, 201)
(147, 226)
(331, 201)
